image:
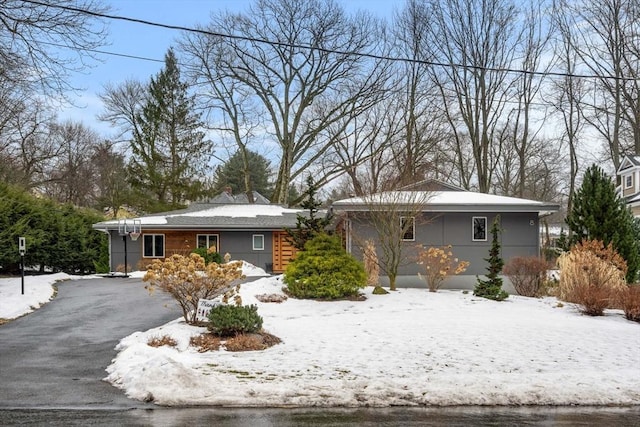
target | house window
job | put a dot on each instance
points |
(408, 228)
(258, 242)
(480, 228)
(628, 181)
(153, 246)
(207, 241)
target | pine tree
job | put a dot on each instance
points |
(233, 173)
(492, 287)
(170, 152)
(307, 227)
(600, 213)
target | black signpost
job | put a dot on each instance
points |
(22, 247)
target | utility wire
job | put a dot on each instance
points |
(320, 49)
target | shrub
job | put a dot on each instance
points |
(439, 264)
(205, 342)
(630, 301)
(209, 255)
(589, 279)
(160, 341)
(527, 274)
(371, 266)
(324, 270)
(188, 279)
(228, 320)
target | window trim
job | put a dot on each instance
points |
(153, 245)
(253, 242)
(628, 181)
(473, 229)
(209, 243)
(412, 229)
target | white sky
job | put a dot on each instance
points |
(409, 347)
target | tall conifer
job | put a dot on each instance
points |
(600, 213)
(491, 288)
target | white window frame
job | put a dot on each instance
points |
(473, 228)
(208, 235)
(153, 245)
(628, 181)
(253, 242)
(412, 229)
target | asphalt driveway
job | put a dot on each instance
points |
(56, 356)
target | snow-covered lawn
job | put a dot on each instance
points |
(409, 347)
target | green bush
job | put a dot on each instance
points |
(228, 320)
(324, 270)
(208, 256)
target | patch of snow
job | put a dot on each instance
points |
(241, 211)
(38, 290)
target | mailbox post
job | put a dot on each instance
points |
(22, 248)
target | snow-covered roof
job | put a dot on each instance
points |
(219, 216)
(445, 201)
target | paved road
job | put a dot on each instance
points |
(56, 356)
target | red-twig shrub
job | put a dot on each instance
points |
(527, 274)
(630, 300)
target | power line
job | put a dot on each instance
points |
(320, 49)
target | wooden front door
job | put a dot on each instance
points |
(283, 251)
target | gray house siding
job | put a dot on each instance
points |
(519, 237)
(239, 244)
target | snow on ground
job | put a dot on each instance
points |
(38, 290)
(409, 347)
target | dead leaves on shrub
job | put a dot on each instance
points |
(241, 342)
(160, 341)
(205, 342)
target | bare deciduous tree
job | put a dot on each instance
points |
(390, 219)
(477, 41)
(295, 58)
(32, 34)
(606, 40)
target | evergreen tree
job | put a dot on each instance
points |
(307, 227)
(236, 173)
(170, 152)
(492, 287)
(600, 213)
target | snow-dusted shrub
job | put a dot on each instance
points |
(591, 275)
(439, 264)
(527, 274)
(189, 280)
(324, 270)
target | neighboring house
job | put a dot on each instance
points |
(439, 214)
(628, 178)
(251, 232)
